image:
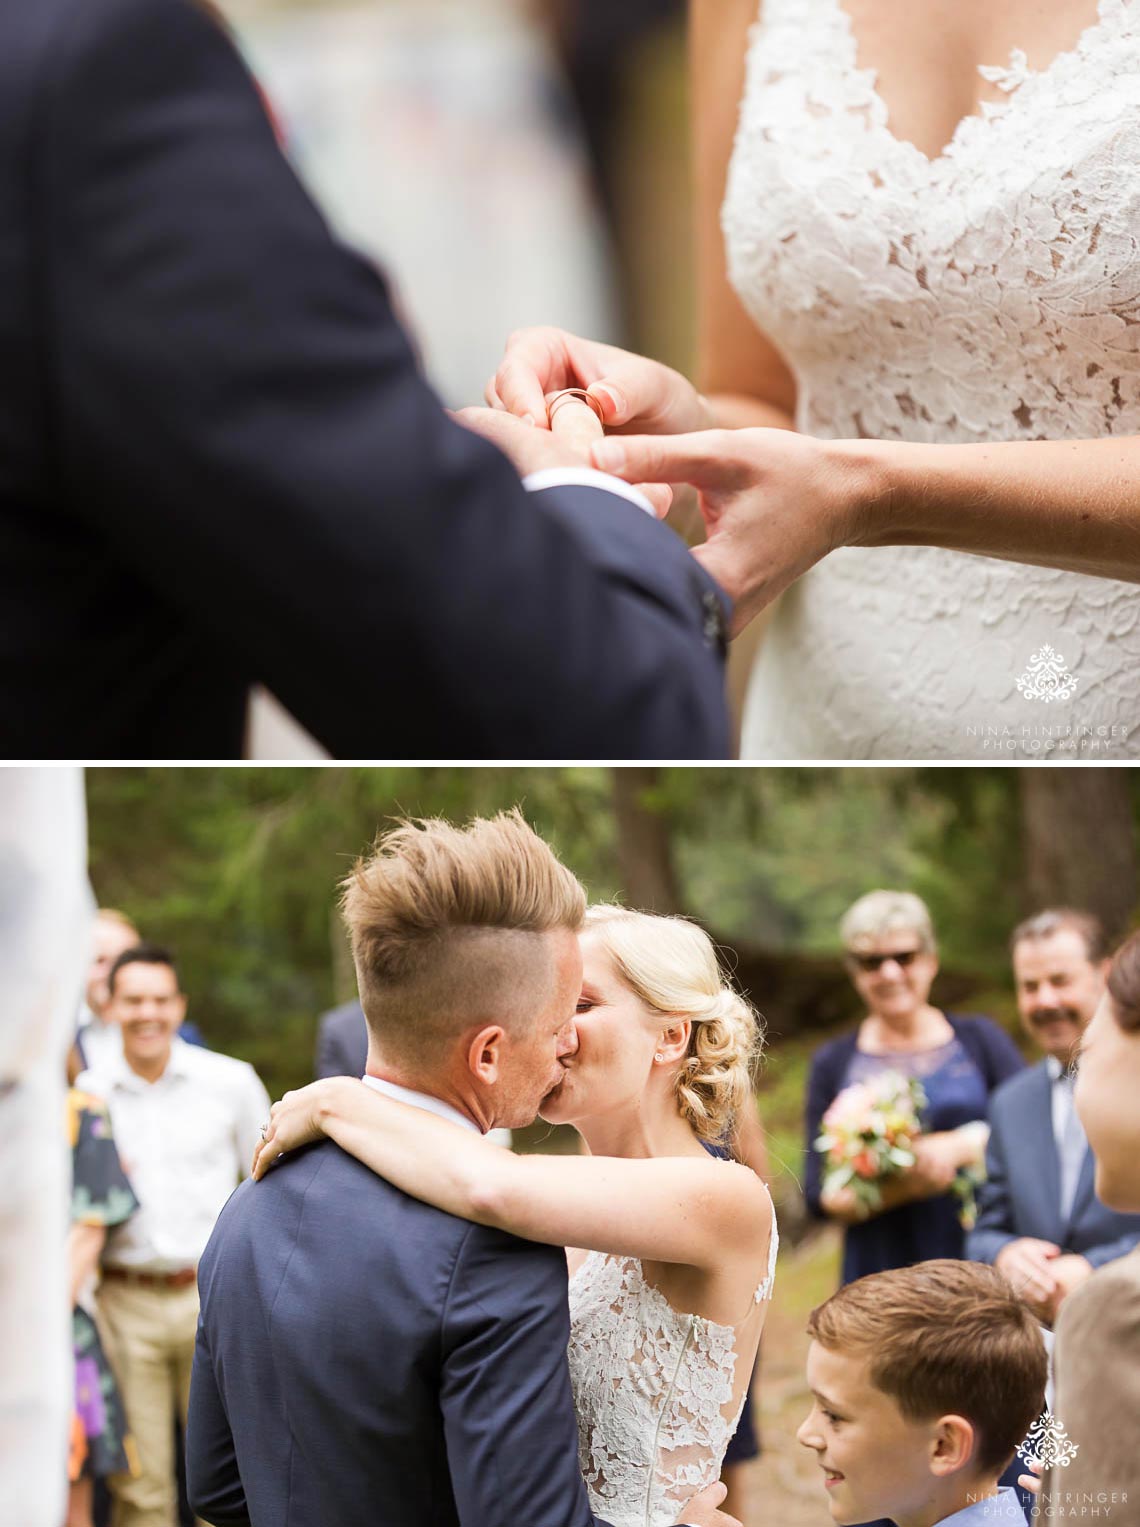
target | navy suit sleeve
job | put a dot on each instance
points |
(326, 1060)
(994, 1226)
(512, 1439)
(241, 420)
(1099, 1256)
(213, 1483)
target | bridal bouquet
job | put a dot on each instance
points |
(869, 1133)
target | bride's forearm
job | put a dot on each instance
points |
(1062, 504)
(422, 1155)
(738, 410)
(677, 1209)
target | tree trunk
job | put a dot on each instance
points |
(1079, 843)
(644, 843)
(343, 969)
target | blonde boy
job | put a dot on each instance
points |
(924, 1381)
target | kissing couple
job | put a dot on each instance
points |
(404, 1323)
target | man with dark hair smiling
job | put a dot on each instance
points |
(186, 1122)
(1039, 1220)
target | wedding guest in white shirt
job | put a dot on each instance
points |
(99, 1039)
(186, 1122)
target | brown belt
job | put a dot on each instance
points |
(180, 1279)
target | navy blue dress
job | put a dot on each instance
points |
(958, 1078)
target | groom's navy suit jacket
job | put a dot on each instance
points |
(219, 461)
(365, 1360)
(1022, 1192)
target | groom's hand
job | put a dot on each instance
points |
(701, 1510)
(773, 502)
(530, 449)
(634, 393)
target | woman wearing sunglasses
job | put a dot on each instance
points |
(891, 956)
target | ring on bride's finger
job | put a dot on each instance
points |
(265, 1129)
(556, 400)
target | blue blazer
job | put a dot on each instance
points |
(219, 461)
(365, 1360)
(342, 1041)
(1022, 1195)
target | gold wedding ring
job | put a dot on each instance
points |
(557, 400)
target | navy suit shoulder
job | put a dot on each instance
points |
(342, 1041)
(219, 461)
(362, 1356)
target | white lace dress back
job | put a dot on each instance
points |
(658, 1392)
(991, 293)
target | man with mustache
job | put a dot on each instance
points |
(1039, 1220)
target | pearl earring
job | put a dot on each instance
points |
(658, 1056)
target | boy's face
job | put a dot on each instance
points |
(875, 1462)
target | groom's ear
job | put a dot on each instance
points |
(485, 1054)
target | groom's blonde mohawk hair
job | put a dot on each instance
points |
(445, 924)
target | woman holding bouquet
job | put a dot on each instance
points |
(912, 1214)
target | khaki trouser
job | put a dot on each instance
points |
(151, 1348)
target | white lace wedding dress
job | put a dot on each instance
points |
(991, 293)
(658, 1392)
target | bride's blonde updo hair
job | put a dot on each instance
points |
(671, 966)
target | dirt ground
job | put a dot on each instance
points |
(783, 1487)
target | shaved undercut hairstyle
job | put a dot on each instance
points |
(448, 927)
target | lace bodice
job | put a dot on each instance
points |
(990, 293)
(657, 1392)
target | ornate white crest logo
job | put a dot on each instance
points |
(1046, 678)
(1049, 1442)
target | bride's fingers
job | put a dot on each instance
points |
(521, 383)
(708, 459)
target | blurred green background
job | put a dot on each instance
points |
(237, 868)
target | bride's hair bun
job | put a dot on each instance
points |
(671, 965)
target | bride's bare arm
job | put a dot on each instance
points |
(741, 373)
(688, 1210)
(1071, 504)
(775, 503)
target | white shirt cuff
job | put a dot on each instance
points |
(585, 477)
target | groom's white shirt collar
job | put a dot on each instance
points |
(422, 1100)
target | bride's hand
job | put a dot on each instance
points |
(701, 1510)
(633, 392)
(294, 1121)
(773, 502)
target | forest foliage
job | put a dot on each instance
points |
(237, 869)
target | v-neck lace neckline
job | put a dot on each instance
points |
(1011, 78)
